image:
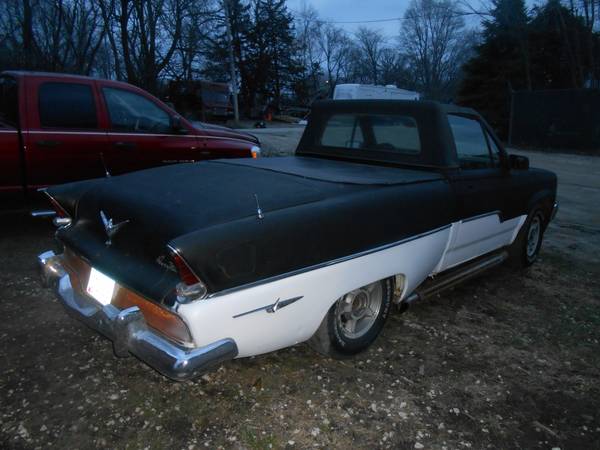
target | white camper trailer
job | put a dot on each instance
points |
(371, 91)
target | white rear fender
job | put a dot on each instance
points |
(247, 316)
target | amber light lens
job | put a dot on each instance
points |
(157, 317)
(255, 152)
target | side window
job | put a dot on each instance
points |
(132, 112)
(495, 150)
(9, 102)
(342, 130)
(67, 105)
(471, 145)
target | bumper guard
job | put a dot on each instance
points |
(129, 332)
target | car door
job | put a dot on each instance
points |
(63, 140)
(141, 133)
(10, 151)
(483, 190)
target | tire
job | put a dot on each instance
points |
(524, 251)
(354, 321)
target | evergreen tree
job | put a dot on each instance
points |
(561, 56)
(501, 64)
(265, 52)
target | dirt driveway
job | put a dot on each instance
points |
(505, 361)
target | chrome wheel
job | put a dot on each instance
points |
(533, 236)
(357, 311)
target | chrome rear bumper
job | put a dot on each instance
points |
(129, 332)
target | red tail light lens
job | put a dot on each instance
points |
(185, 273)
(60, 211)
(191, 287)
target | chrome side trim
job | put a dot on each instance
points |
(325, 264)
(43, 213)
(110, 133)
(481, 216)
(130, 333)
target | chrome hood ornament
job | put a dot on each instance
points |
(110, 228)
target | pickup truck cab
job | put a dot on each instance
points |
(57, 128)
(384, 202)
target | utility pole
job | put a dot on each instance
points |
(234, 86)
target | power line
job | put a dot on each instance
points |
(364, 21)
(298, 16)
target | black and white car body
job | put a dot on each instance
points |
(384, 201)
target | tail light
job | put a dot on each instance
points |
(159, 318)
(156, 316)
(60, 211)
(191, 287)
(255, 151)
(62, 218)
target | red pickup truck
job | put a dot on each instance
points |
(56, 128)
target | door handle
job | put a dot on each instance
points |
(205, 153)
(48, 144)
(125, 145)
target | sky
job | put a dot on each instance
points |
(365, 10)
(357, 10)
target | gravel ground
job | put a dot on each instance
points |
(509, 360)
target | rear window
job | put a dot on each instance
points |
(67, 105)
(382, 132)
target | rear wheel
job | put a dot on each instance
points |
(354, 321)
(524, 251)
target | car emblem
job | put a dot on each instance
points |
(111, 229)
(272, 308)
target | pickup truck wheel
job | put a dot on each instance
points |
(524, 251)
(354, 321)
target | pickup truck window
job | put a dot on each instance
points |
(471, 144)
(387, 132)
(495, 150)
(8, 102)
(67, 105)
(131, 112)
(342, 130)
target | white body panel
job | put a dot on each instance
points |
(475, 237)
(371, 91)
(257, 331)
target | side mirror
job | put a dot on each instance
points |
(518, 162)
(177, 126)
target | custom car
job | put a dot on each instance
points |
(383, 203)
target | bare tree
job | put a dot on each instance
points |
(308, 29)
(370, 44)
(434, 42)
(57, 35)
(149, 33)
(335, 46)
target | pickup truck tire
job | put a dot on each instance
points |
(354, 321)
(524, 251)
